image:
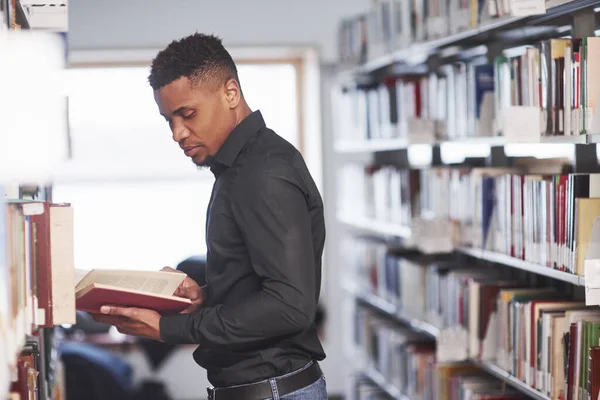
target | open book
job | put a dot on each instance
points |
(142, 289)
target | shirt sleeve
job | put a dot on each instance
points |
(272, 214)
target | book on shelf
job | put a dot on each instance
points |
(552, 79)
(129, 288)
(531, 211)
(36, 275)
(541, 335)
(407, 362)
(544, 218)
(391, 25)
(381, 192)
(361, 387)
(547, 87)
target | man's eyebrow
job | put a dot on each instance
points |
(177, 111)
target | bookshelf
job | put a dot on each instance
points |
(357, 146)
(523, 265)
(375, 226)
(383, 145)
(379, 380)
(511, 380)
(390, 310)
(555, 9)
(493, 81)
(386, 229)
(36, 238)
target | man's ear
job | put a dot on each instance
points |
(233, 94)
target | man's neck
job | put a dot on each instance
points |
(243, 113)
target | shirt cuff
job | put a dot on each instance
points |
(174, 329)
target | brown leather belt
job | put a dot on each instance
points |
(286, 384)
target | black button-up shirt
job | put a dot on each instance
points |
(265, 233)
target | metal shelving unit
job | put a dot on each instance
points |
(555, 8)
(395, 230)
(511, 380)
(561, 14)
(523, 265)
(392, 311)
(375, 226)
(358, 146)
(378, 145)
(382, 383)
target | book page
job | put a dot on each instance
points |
(80, 274)
(154, 282)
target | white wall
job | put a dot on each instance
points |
(119, 24)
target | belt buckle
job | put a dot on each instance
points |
(211, 393)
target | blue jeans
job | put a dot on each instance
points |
(316, 391)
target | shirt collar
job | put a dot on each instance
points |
(238, 137)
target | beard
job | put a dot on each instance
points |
(206, 163)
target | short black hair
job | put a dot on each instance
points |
(198, 57)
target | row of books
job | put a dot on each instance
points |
(544, 218)
(531, 211)
(390, 25)
(456, 103)
(36, 377)
(36, 275)
(399, 355)
(540, 335)
(408, 363)
(382, 192)
(555, 77)
(477, 99)
(363, 388)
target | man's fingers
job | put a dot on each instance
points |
(108, 319)
(120, 311)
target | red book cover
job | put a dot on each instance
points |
(97, 295)
(523, 238)
(562, 210)
(41, 234)
(571, 361)
(595, 372)
(512, 215)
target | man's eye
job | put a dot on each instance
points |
(188, 116)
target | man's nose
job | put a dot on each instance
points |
(180, 132)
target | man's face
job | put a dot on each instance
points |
(200, 116)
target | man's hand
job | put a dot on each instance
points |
(188, 289)
(131, 321)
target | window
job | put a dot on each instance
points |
(138, 201)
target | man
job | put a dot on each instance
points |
(254, 321)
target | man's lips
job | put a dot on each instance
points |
(191, 151)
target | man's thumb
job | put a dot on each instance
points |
(169, 269)
(181, 291)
